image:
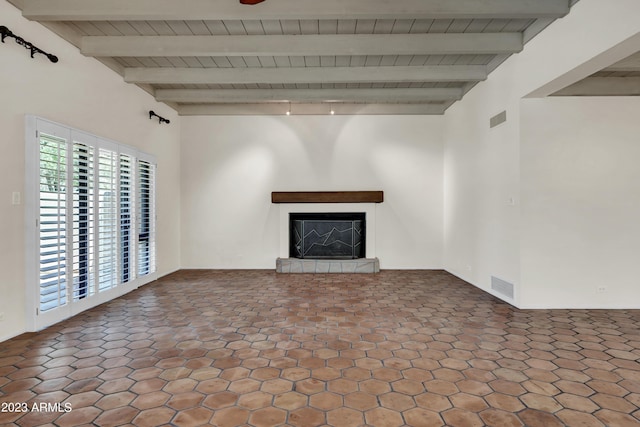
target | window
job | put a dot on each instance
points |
(146, 223)
(93, 213)
(83, 219)
(52, 221)
(126, 210)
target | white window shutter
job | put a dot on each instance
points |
(92, 237)
(146, 256)
(83, 211)
(52, 221)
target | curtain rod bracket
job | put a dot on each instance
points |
(161, 120)
(5, 32)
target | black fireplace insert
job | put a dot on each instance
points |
(337, 235)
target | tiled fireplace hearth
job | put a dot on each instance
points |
(327, 232)
(295, 265)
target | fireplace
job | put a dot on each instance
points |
(327, 235)
(343, 242)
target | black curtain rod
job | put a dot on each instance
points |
(161, 120)
(5, 32)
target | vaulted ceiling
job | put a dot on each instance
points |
(303, 56)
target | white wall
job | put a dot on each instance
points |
(230, 166)
(581, 202)
(82, 93)
(481, 187)
(483, 231)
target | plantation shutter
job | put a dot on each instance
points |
(146, 218)
(92, 237)
(83, 220)
(126, 218)
(107, 220)
(52, 222)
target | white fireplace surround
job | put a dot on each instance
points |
(368, 208)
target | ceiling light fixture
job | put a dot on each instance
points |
(250, 1)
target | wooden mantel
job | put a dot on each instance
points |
(327, 197)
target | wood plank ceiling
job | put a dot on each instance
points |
(619, 79)
(300, 56)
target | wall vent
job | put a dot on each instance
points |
(502, 287)
(498, 119)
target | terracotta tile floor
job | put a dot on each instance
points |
(415, 348)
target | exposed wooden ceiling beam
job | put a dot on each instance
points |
(603, 86)
(144, 10)
(631, 63)
(306, 95)
(280, 109)
(434, 73)
(357, 44)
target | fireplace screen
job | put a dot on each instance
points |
(327, 235)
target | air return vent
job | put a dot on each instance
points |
(498, 119)
(502, 287)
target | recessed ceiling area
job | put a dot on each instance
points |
(619, 79)
(220, 57)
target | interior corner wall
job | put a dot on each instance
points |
(481, 174)
(84, 94)
(580, 202)
(482, 171)
(230, 166)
